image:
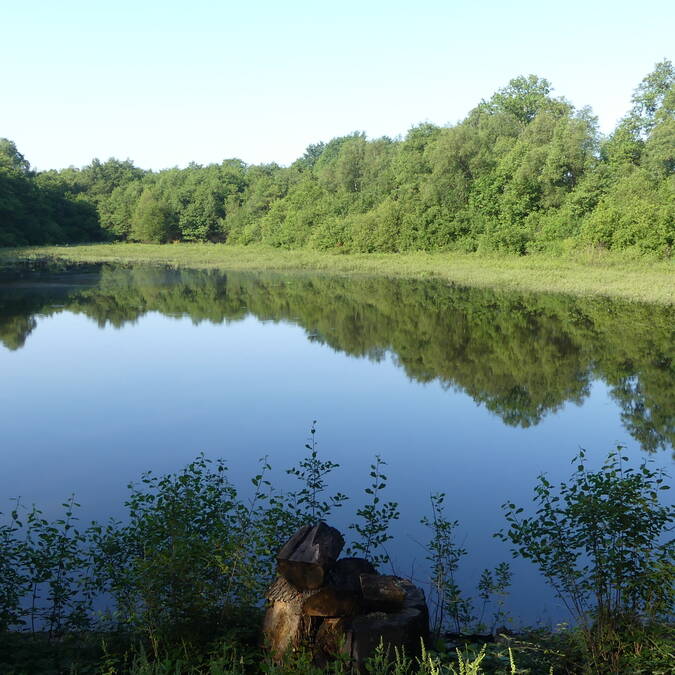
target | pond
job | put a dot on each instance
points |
(109, 371)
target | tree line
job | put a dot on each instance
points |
(524, 172)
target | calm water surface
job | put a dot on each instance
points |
(110, 371)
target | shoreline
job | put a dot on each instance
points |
(590, 274)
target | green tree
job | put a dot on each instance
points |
(152, 222)
(523, 97)
(11, 159)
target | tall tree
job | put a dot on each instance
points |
(151, 220)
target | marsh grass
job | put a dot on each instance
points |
(588, 272)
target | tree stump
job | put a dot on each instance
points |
(345, 574)
(308, 554)
(285, 626)
(402, 630)
(341, 596)
(339, 608)
(382, 592)
(333, 639)
(414, 599)
(331, 602)
(357, 637)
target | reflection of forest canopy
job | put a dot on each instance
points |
(521, 356)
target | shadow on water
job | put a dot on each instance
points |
(522, 356)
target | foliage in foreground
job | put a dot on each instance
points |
(186, 569)
(599, 542)
(524, 172)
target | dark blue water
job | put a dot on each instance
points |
(108, 372)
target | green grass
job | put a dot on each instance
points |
(585, 273)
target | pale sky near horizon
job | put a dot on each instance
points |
(167, 83)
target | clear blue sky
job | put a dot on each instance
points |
(166, 83)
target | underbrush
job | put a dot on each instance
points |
(176, 586)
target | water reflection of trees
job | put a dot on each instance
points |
(522, 356)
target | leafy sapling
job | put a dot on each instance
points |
(493, 589)
(444, 554)
(376, 518)
(308, 503)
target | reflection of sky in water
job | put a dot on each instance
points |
(87, 410)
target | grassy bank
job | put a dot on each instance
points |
(591, 273)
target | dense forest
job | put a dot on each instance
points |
(524, 172)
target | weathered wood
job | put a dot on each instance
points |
(415, 599)
(307, 555)
(285, 629)
(285, 626)
(340, 609)
(334, 638)
(341, 596)
(284, 591)
(397, 629)
(357, 637)
(382, 592)
(344, 575)
(330, 601)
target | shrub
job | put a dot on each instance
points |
(636, 212)
(598, 540)
(192, 556)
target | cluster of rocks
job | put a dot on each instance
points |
(339, 607)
